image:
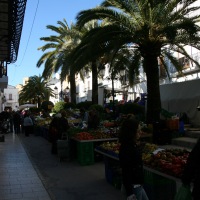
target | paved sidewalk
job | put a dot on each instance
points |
(18, 178)
(29, 171)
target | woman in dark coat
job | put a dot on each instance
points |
(191, 173)
(131, 160)
(54, 134)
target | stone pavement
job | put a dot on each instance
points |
(18, 178)
(28, 170)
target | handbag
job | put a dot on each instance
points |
(184, 193)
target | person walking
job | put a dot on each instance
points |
(28, 124)
(130, 159)
(58, 130)
(17, 122)
(63, 125)
(93, 119)
(191, 172)
(54, 134)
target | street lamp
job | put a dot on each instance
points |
(67, 94)
(64, 94)
(115, 76)
(56, 92)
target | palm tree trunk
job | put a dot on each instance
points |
(94, 83)
(39, 102)
(153, 89)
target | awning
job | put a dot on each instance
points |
(116, 90)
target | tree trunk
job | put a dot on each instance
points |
(39, 102)
(153, 88)
(94, 83)
(72, 87)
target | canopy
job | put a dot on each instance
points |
(27, 106)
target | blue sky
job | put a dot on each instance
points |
(39, 14)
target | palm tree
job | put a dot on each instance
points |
(36, 90)
(154, 28)
(60, 46)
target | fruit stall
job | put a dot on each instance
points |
(85, 144)
(162, 168)
(85, 141)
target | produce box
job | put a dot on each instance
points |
(113, 173)
(85, 153)
(63, 149)
(172, 124)
(158, 187)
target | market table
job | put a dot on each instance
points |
(158, 185)
(85, 149)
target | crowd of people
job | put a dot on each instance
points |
(16, 121)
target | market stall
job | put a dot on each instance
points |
(161, 173)
(85, 153)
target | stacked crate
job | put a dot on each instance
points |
(158, 187)
(85, 153)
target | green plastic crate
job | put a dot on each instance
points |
(155, 179)
(113, 173)
(158, 187)
(85, 151)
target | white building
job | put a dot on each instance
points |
(11, 98)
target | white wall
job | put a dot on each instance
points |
(182, 97)
(11, 94)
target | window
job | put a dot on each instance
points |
(10, 97)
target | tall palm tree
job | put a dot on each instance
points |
(154, 28)
(60, 46)
(36, 90)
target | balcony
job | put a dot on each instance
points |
(3, 82)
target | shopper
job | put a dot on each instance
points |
(191, 173)
(17, 121)
(93, 119)
(83, 115)
(28, 124)
(130, 159)
(63, 125)
(54, 134)
(58, 130)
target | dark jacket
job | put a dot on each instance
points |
(191, 173)
(131, 163)
(63, 126)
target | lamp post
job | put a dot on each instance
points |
(112, 77)
(56, 93)
(61, 91)
(115, 76)
(67, 94)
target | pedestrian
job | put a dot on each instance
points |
(54, 134)
(28, 124)
(10, 120)
(191, 173)
(93, 119)
(58, 130)
(17, 122)
(130, 158)
(63, 125)
(83, 115)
